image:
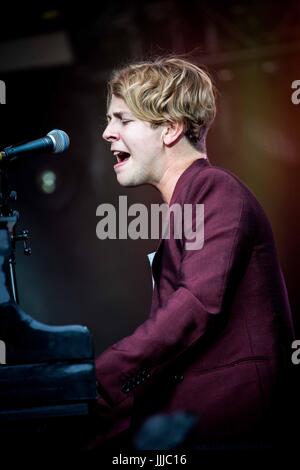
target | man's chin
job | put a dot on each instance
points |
(126, 182)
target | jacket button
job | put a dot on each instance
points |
(178, 378)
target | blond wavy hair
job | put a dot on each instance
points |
(169, 89)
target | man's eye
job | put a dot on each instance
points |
(125, 121)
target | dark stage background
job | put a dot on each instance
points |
(55, 59)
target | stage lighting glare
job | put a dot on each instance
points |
(47, 181)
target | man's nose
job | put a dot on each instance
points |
(110, 134)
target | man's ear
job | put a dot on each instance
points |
(172, 132)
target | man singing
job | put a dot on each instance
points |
(219, 324)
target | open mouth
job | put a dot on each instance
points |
(121, 156)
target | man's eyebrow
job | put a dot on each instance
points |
(118, 114)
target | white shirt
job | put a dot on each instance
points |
(150, 258)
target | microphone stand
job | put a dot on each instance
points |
(8, 235)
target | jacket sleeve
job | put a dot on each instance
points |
(196, 303)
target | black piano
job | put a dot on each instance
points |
(47, 376)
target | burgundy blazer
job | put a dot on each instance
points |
(220, 318)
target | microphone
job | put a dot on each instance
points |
(56, 141)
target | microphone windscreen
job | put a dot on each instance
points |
(60, 140)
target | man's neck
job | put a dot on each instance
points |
(172, 174)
